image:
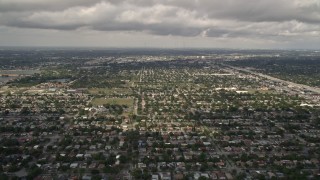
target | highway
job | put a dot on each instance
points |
(312, 89)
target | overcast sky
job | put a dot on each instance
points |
(161, 23)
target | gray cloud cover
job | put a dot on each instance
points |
(275, 21)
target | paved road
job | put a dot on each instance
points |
(312, 89)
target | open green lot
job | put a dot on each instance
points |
(109, 91)
(119, 101)
(253, 91)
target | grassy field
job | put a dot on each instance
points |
(14, 90)
(253, 91)
(109, 91)
(119, 101)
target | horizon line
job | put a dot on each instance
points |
(157, 48)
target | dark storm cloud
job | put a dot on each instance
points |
(105, 16)
(157, 29)
(42, 5)
(203, 18)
